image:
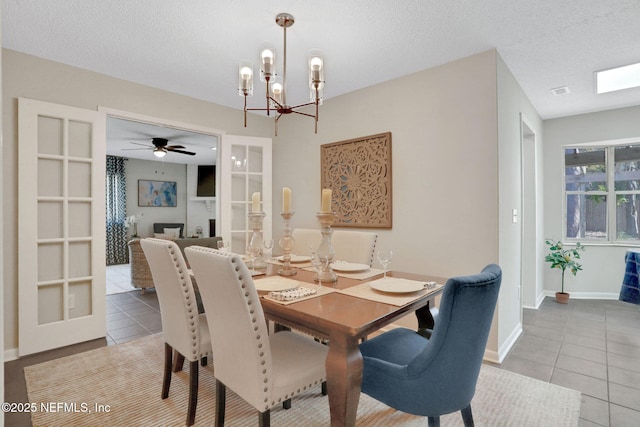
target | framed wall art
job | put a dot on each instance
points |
(358, 171)
(157, 193)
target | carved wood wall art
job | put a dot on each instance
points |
(359, 173)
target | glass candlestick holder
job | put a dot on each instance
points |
(325, 250)
(255, 246)
(286, 243)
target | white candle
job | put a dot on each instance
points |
(286, 199)
(255, 202)
(326, 200)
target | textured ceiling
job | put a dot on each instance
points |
(131, 139)
(193, 47)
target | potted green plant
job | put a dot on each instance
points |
(564, 259)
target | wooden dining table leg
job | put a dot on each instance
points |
(425, 321)
(344, 378)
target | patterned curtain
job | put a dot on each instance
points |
(117, 251)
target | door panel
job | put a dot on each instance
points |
(245, 168)
(61, 202)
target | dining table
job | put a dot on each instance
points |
(343, 315)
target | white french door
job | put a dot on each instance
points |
(61, 202)
(245, 168)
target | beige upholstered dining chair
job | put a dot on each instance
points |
(354, 246)
(305, 239)
(264, 370)
(184, 330)
(351, 246)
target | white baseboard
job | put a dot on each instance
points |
(587, 295)
(11, 354)
(505, 347)
(541, 296)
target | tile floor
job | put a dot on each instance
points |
(588, 345)
(130, 313)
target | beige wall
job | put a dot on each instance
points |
(447, 212)
(31, 77)
(445, 164)
(603, 264)
(156, 171)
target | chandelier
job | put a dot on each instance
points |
(276, 90)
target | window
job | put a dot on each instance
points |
(602, 193)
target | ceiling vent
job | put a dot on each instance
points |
(559, 91)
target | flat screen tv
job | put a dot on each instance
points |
(206, 181)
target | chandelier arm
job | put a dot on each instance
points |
(245, 109)
(268, 96)
(304, 114)
(277, 103)
(276, 124)
(302, 105)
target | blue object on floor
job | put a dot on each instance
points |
(436, 376)
(630, 291)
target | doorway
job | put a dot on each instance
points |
(131, 136)
(531, 262)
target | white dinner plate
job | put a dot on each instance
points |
(349, 266)
(269, 284)
(296, 258)
(396, 285)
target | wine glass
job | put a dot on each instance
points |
(268, 248)
(252, 253)
(223, 246)
(384, 258)
(317, 264)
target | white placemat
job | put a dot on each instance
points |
(302, 265)
(320, 290)
(365, 291)
(362, 275)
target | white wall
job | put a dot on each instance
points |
(603, 264)
(512, 104)
(31, 77)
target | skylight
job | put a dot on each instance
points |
(626, 77)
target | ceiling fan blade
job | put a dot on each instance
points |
(190, 153)
(144, 145)
(171, 147)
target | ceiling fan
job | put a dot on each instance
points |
(160, 147)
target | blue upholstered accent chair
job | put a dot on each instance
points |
(437, 376)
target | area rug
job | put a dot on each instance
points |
(120, 386)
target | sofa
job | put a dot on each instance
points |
(141, 273)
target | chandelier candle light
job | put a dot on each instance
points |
(276, 91)
(286, 241)
(325, 251)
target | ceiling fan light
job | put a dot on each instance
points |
(159, 152)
